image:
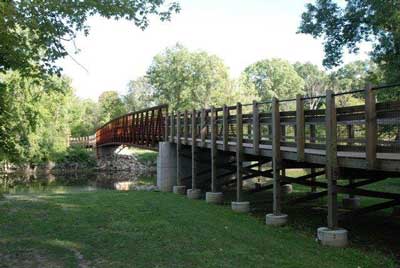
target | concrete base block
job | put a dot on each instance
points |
(194, 193)
(179, 189)
(214, 198)
(242, 207)
(276, 220)
(287, 189)
(351, 202)
(333, 238)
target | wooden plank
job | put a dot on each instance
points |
(213, 151)
(225, 128)
(256, 128)
(185, 127)
(370, 126)
(239, 151)
(276, 156)
(300, 128)
(203, 127)
(194, 146)
(331, 158)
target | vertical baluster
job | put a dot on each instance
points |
(225, 127)
(371, 127)
(300, 128)
(256, 128)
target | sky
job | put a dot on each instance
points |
(240, 32)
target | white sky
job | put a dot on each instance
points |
(240, 32)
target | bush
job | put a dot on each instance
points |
(77, 154)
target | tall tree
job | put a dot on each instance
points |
(273, 78)
(33, 33)
(316, 82)
(185, 79)
(140, 95)
(34, 118)
(373, 21)
(111, 106)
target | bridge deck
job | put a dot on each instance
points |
(385, 161)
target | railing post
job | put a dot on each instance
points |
(178, 149)
(166, 125)
(194, 144)
(172, 127)
(256, 128)
(371, 127)
(203, 127)
(300, 128)
(331, 158)
(213, 151)
(239, 151)
(185, 127)
(276, 156)
(225, 126)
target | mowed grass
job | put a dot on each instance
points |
(152, 229)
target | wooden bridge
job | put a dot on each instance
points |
(352, 146)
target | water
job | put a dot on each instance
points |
(71, 181)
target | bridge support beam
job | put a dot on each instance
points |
(331, 235)
(277, 218)
(239, 205)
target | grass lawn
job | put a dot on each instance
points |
(151, 229)
(144, 156)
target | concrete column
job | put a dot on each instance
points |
(166, 166)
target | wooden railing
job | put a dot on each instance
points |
(368, 128)
(143, 128)
(87, 141)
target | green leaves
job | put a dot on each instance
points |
(33, 33)
(374, 21)
(273, 78)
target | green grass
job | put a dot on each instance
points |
(145, 156)
(150, 229)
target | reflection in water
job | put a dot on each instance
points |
(67, 182)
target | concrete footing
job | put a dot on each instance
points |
(214, 198)
(287, 189)
(332, 237)
(242, 207)
(194, 193)
(179, 189)
(351, 202)
(276, 220)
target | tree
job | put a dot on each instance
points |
(185, 79)
(316, 82)
(273, 78)
(111, 106)
(140, 95)
(84, 118)
(33, 33)
(373, 21)
(34, 121)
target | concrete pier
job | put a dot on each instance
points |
(166, 166)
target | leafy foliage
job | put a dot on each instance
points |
(186, 79)
(110, 106)
(273, 78)
(374, 21)
(140, 95)
(76, 154)
(33, 34)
